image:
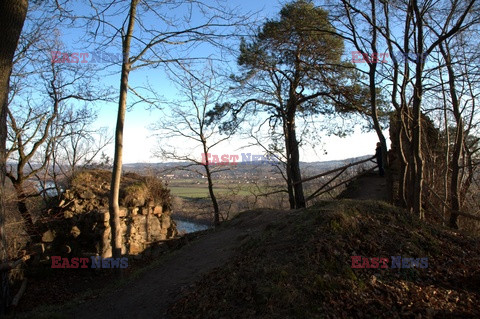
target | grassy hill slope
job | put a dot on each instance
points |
(300, 266)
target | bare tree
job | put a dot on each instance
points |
(358, 21)
(459, 100)
(188, 120)
(76, 146)
(408, 81)
(35, 124)
(169, 39)
(450, 27)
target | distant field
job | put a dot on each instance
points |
(190, 192)
(201, 191)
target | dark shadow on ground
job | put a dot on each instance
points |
(368, 186)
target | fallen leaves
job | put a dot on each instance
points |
(302, 269)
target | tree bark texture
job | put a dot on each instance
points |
(12, 18)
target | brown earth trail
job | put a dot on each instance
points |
(305, 255)
(150, 295)
(368, 186)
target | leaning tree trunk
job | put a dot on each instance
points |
(12, 17)
(116, 240)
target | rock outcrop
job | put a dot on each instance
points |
(81, 222)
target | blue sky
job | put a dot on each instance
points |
(138, 140)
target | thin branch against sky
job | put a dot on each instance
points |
(137, 136)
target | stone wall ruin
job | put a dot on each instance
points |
(80, 224)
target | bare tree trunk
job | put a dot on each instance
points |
(404, 166)
(417, 119)
(400, 136)
(400, 139)
(417, 174)
(454, 181)
(216, 209)
(469, 149)
(372, 72)
(457, 148)
(12, 17)
(447, 151)
(116, 240)
(470, 174)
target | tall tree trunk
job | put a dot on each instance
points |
(114, 209)
(457, 148)
(372, 72)
(399, 137)
(417, 119)
(470, 173)
(454, 181)
(404, 168)
(417, 174)
(294, 160)
(405, 124)
(291, 193)
(12, 17)
(447, 151)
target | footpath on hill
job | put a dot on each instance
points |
(150, 295)
(297, 264)
(366, 187)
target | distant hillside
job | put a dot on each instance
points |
(300, 266)
(331, 163)
(257, 167)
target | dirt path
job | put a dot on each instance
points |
(150, 295)
(368, 186)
